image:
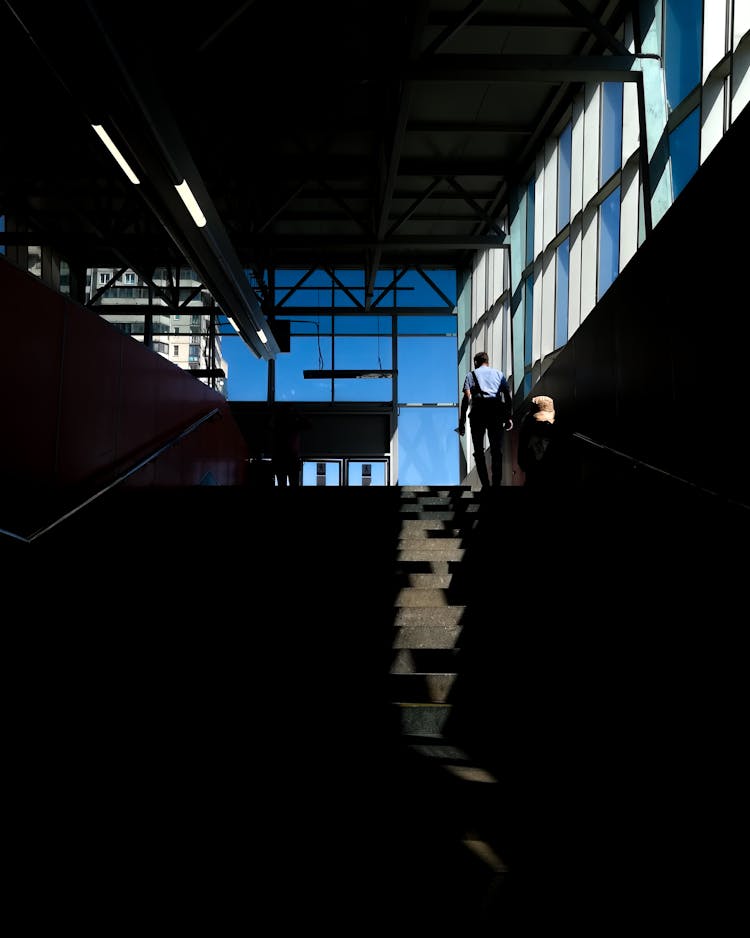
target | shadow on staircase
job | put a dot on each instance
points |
(398, 708)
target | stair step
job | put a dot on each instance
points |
(416, 536)
(430, 543)
(424, 524)
(431, 565)
(441, 617)
(422, 513)
(424, 660)
(421, 597)
(448, 555)
(426, 636)
(421, 688)
(437, 748)
(423, 718)
(427, 581)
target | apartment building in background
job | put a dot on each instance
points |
(177, 318)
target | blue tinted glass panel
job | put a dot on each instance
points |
(427, 325)
(366, 472)
(2, 228)
(363, 352)
(445, 281)
(302, 324)
(561, 296)
(427, 370)
(683, 36)
(306, 353)
(518, 347)
(530, 222)
(609, 242)
(611, 129)
(349, 299)
(363, 389)
(350, 277)
(366, 353)
(354, 282)
(527, 321)
(288, 278)
(383, 291)
(357, 325)
(331, 472)
(684, 151)
(303, 288)
(411, 290)
(564, 150)
(428, 445)
(247, 376)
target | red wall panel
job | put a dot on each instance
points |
(83, 402)
(32, 357)
(89, 395)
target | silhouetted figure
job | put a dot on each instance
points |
(487, 390)
(539, 445)
(287, 425)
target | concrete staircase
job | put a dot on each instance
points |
(437, 524)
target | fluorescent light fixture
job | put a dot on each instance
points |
(232, 323)
(109, 144)
(191, 204)
(262, 336)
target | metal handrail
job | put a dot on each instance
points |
(663, 472)
(121, 478)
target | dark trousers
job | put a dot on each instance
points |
(287, 471)
(494, 431)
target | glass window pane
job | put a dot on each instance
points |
(367, 472)
(445, 286)
(303, 288)
(363, 389)
(518, 347)
(611, 129)
(427, 370)
(528, 349)
(247, 376)
(609, 241)
(363, 352)
(561, 295)
(565, 145)
(354, 294)
(427, 325)
(326, 473)
(428, 445)
(371, 352)
(302, 324)
(530, 195)
(684, 152)
(374, 325)
(428, 288)
(305, 354)
(683, 38)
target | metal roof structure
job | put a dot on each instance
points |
(350, 133)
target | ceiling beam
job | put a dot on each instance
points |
(392, 152)
(541, 69)
(345, 242)
(464, 127)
